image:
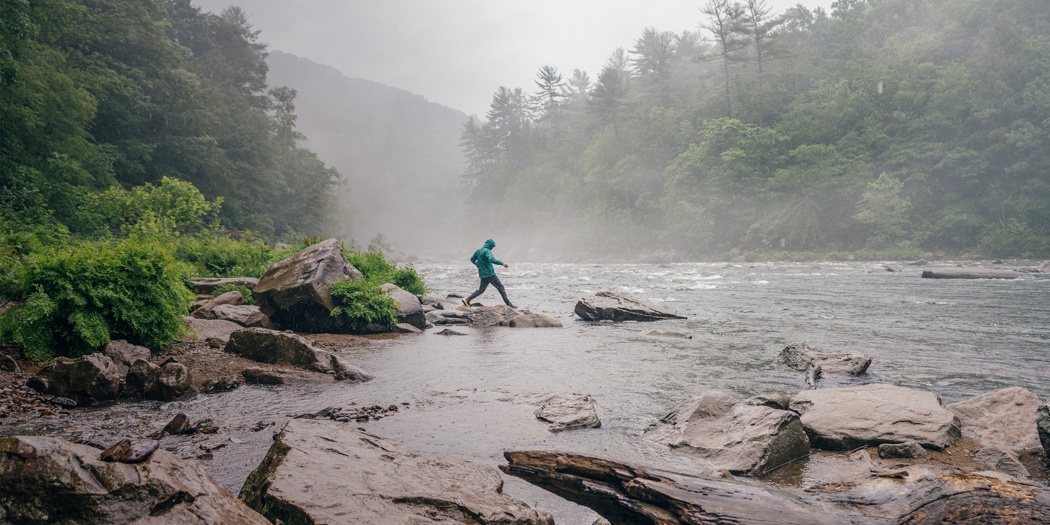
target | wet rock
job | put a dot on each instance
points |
(405, 328)
(409, 309)
(568, 412)
(909, 450)
(448, 317)
(731, 435)
(210, 329)
(628, 494)
(208, 285)
(141, 380)
(1003, 419)
(449, 331)
(1001, 460)
(1044, 267)
(174, 382)
(89, 379)
(668, 335)
(535, 320)
(355, 414)
(245, 315)
(1042, 425)
(296, 292)
(799, 356)
(222, 384)
(321, 471)
(207, 310)
(612, 306)
(125, 451)
(261, 376)
(181, 425)
(488, 316)
(970, 273)
(777, 401)
(848, 417)
(50, 480)
(123, 354)
(285, 348)
(893, 268)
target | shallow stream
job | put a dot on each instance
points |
(469, 397)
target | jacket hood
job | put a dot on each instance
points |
(490, 244)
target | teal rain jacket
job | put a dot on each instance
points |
(484, 259)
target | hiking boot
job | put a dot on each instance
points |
(512, 306)
(466, 303)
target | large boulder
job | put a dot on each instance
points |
(486, 316)
(286, 348)
(207, 285)
(141, 380)
(732, 435)
(123, 353)
(799, 356)
(50, 480)
(409, 309)
(322, 471)
(611, 306)
(849, 417)
(1002, 419)
(296, 292)
(535, 320)
(88, 379)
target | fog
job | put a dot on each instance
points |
(457, 52)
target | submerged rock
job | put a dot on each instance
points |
(568, 412)
(970, 273)
(850, 417)
(50, 480)
(321, 471)
(732, 435)
(611, 306)
(799, 356)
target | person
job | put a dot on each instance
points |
(484, 260)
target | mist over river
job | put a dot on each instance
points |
(471, 397)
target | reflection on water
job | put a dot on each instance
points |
(957, 338)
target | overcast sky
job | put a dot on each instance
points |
(457, 52)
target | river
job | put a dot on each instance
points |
(468, 397)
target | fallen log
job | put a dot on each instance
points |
(914, 495)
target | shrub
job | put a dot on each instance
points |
(216, 255)
(375, 268)
(80, 298)
(363, 303)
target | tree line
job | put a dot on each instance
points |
(885, 127)
(96, 94)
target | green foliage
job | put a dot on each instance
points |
(79, 298)
(216, 255)
(375, 268)
(363, 303)
(239, 288)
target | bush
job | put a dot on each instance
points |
(375, 268)
(215, 255)
(363, 303)
(78, 299)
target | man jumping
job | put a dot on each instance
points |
(484, 260)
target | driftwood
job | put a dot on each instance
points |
(626, 494)
(970, 273)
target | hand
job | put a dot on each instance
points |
(505, 265)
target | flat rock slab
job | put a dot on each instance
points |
(611, 306)
(1002, 419)
(321, 471)
(286, 348)
(535, 320)
(50, 480)
(799, 356)
(205, 329)
(870, 415)
(568, 412)
(733, 435)
(970, 273)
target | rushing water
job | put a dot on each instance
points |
(469, 397)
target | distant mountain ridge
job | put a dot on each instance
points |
(398, 152)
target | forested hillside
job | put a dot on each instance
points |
(100, 94)
(398, 153)
(882, 128)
